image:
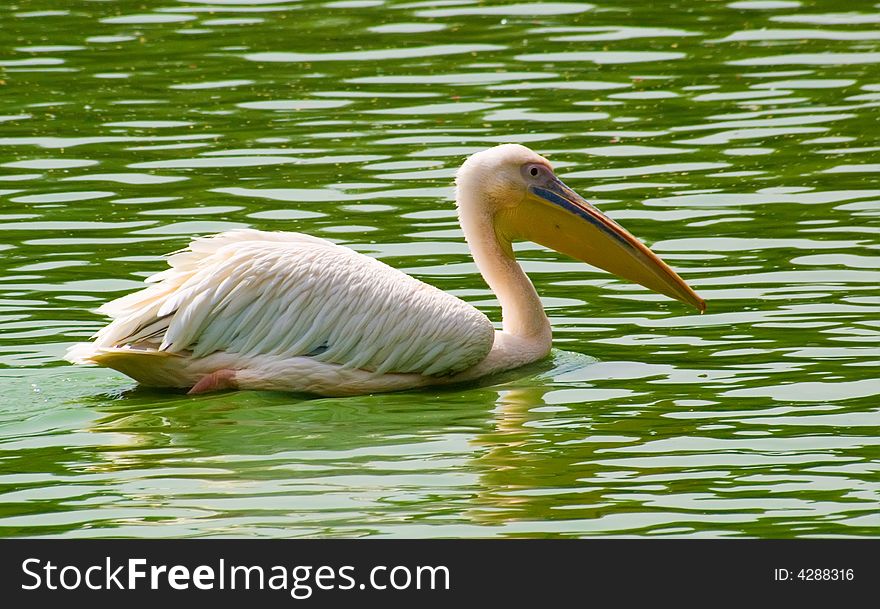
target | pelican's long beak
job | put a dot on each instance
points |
(555, 216)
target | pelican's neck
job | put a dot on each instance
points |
(521, 311)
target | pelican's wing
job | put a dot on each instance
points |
(261, 293)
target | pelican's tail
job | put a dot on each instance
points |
(147, 366)
(81, 353)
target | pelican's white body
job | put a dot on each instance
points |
(291, 312)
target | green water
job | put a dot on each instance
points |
(739, 139)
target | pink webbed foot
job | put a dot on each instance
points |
(216, 381)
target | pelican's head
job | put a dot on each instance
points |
(517, 190)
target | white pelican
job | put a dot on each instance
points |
(248, 309)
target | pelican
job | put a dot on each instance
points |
(248, 309)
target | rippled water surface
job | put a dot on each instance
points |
(740, 140)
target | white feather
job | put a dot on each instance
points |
(258, 293)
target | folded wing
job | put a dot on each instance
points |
(271, 293)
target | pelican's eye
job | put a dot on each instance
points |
(536, 172)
